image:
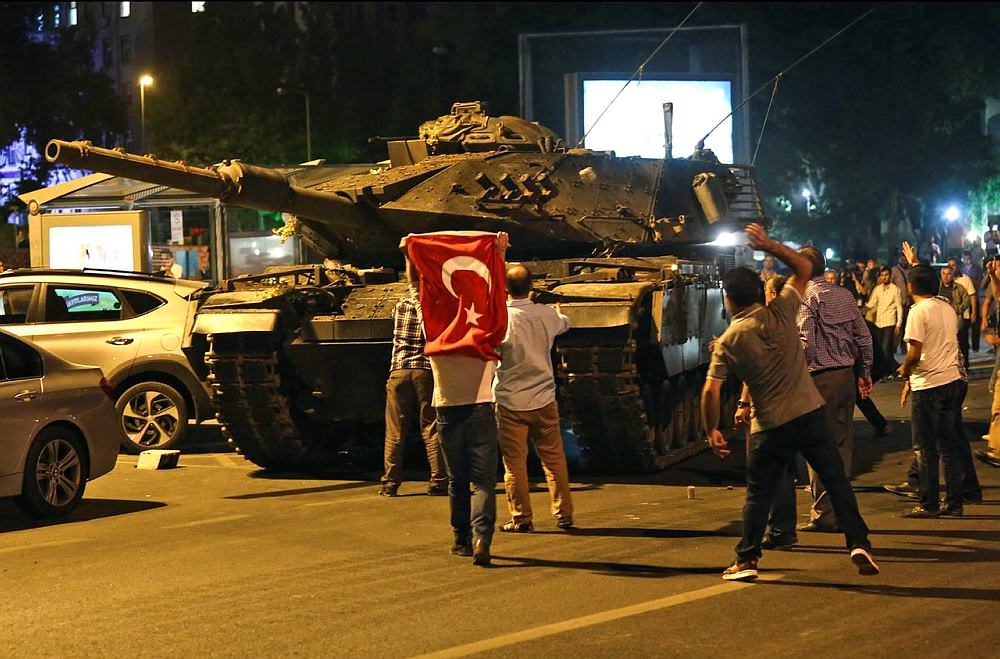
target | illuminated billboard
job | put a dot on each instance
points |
(632, 125)
(108, 241)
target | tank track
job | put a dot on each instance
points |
(601, 398)
(254, 404)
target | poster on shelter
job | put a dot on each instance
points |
(107, 247)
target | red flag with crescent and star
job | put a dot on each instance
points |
(462, 292)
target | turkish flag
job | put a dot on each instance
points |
(462, 292)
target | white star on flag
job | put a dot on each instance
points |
(471, 316)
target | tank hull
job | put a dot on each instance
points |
(298, 367)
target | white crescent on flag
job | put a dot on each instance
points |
(469, 263)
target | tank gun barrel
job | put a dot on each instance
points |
(232, 181)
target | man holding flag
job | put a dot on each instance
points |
(463, 299)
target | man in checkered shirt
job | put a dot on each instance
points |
(408, 394)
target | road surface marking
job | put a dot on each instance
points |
(496, 642)
(43, 545)
(202, 522)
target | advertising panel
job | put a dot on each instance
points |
(107, 241)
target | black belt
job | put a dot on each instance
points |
(828, 370)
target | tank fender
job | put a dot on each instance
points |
(596, 306)
(229, 322)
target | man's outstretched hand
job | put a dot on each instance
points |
(757, 237)
(717, 442)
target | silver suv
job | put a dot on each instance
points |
(130, 325)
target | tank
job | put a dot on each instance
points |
(297, 358)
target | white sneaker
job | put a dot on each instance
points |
(864, 561)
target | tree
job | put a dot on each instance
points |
(50, 89)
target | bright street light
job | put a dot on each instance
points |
(284, 91)
(829, 253)
(806, 194)
(145, 81)
(952, 213)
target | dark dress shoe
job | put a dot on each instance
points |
(904, 489)
(389, 490)
(783, 542)
(813, 527)
(922, 513)
(437, 490)
(952, 511)
(480, 553)
(565, 523)
(972, 497)
(462, 547)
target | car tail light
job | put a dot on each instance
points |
(106, 388)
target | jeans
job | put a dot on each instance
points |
(781, 523)
(971, 489)
(469, 441)
(933, 415)
(885, 345)
(771, 451)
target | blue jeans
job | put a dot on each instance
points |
(469, 442)
(771, 451)
(933, 416)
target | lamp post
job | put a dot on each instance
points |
(145, 81)
(284, 91)
(807, 195)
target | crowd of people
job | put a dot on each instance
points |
(807, 347)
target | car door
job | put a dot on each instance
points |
(20, 398)
(88, 324)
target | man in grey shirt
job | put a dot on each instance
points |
(761, 347)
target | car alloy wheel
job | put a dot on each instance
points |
(153, 416)
(55, 474)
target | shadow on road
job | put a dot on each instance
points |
(12, 519)
(606, 568)
(729, 531)
(930, 592)
(950, 554)
(301, 490)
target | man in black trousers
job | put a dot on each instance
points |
(761, 347)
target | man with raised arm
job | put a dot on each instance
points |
(761, 347)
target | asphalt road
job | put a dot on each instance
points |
(216, 558)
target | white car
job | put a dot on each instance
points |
(132, 326)
(59, 428)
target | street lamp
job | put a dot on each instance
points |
(145, 81)
(952, 213)
(284, 91)
(807, 195)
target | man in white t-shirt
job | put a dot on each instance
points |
(932, 366)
